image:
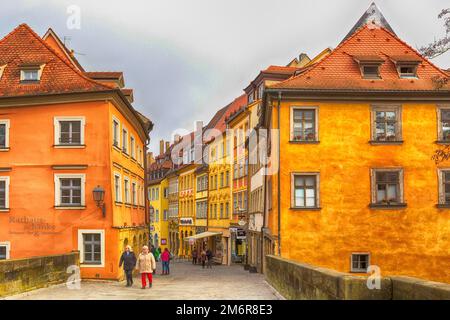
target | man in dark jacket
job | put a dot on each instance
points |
(128, 259)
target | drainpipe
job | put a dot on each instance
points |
(264, 216)
(279, 174)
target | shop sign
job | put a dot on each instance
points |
(152, 228)
(240, 234)
(233, 229)
(241, 223)
(163, 241)
(186, 221)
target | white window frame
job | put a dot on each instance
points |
(119, 133)
(57, 131)
(57, 178)
(127, 139)
(118, 198)
(133, 147)
(317, 191)
(127, 195)
(134, 194)
(351, 262)
(38, 68)
(7, 182)
(81, 247)
(316, 123)
(6, 244)
(6, 122)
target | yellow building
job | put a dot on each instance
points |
(186, 199)
(158, 194)
(238, 125)
(201, 203)
(356, 184)
(255, 183)
(219, 193)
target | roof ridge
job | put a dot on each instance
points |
(333, 51)
(48, 47)
(366, 26)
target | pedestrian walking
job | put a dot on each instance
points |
(209, 256)
(203, 258)
(128, 260)
(146, 265)
(165, 258)
(194, 256)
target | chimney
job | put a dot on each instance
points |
(167, 145)
(161, 146)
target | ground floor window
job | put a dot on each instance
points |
(91, 244)
(4, 250)
(360, 262)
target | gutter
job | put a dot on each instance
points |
(279, 174)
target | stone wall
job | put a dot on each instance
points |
(21, 275)
(301, 281)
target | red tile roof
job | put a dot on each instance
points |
(232, 107)
(24, 46)
(281, 69)
(339, 70)
(104, 74)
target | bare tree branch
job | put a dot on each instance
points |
(440, 46)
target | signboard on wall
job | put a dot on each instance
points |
(186, 221)
(163, 241)
(240, 234)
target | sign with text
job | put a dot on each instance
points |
(186, 221)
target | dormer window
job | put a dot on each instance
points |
(2, 68)
(31, 73)
(407, 71)
(369, 66)
(406, 66)
(371, 72)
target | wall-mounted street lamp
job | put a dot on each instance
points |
(99, 198)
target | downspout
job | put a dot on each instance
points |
(279, 174)
(264, 216)
(147, 218)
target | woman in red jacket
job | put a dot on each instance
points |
(165, 258)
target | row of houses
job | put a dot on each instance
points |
(72, 157)
(341, 162)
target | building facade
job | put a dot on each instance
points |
(220, 157)
(374, 112)
(238, 125)
(90, 139)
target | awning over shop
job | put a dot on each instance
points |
(205, 234)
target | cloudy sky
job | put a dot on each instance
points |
(185, 59)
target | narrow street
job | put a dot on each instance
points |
(186, 282)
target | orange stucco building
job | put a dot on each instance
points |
(63, 132)
(356, 184)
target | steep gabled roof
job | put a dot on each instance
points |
(340, 71)
(51, 38)
(23, 46)
(372, 15)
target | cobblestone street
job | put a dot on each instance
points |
(186, 282)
